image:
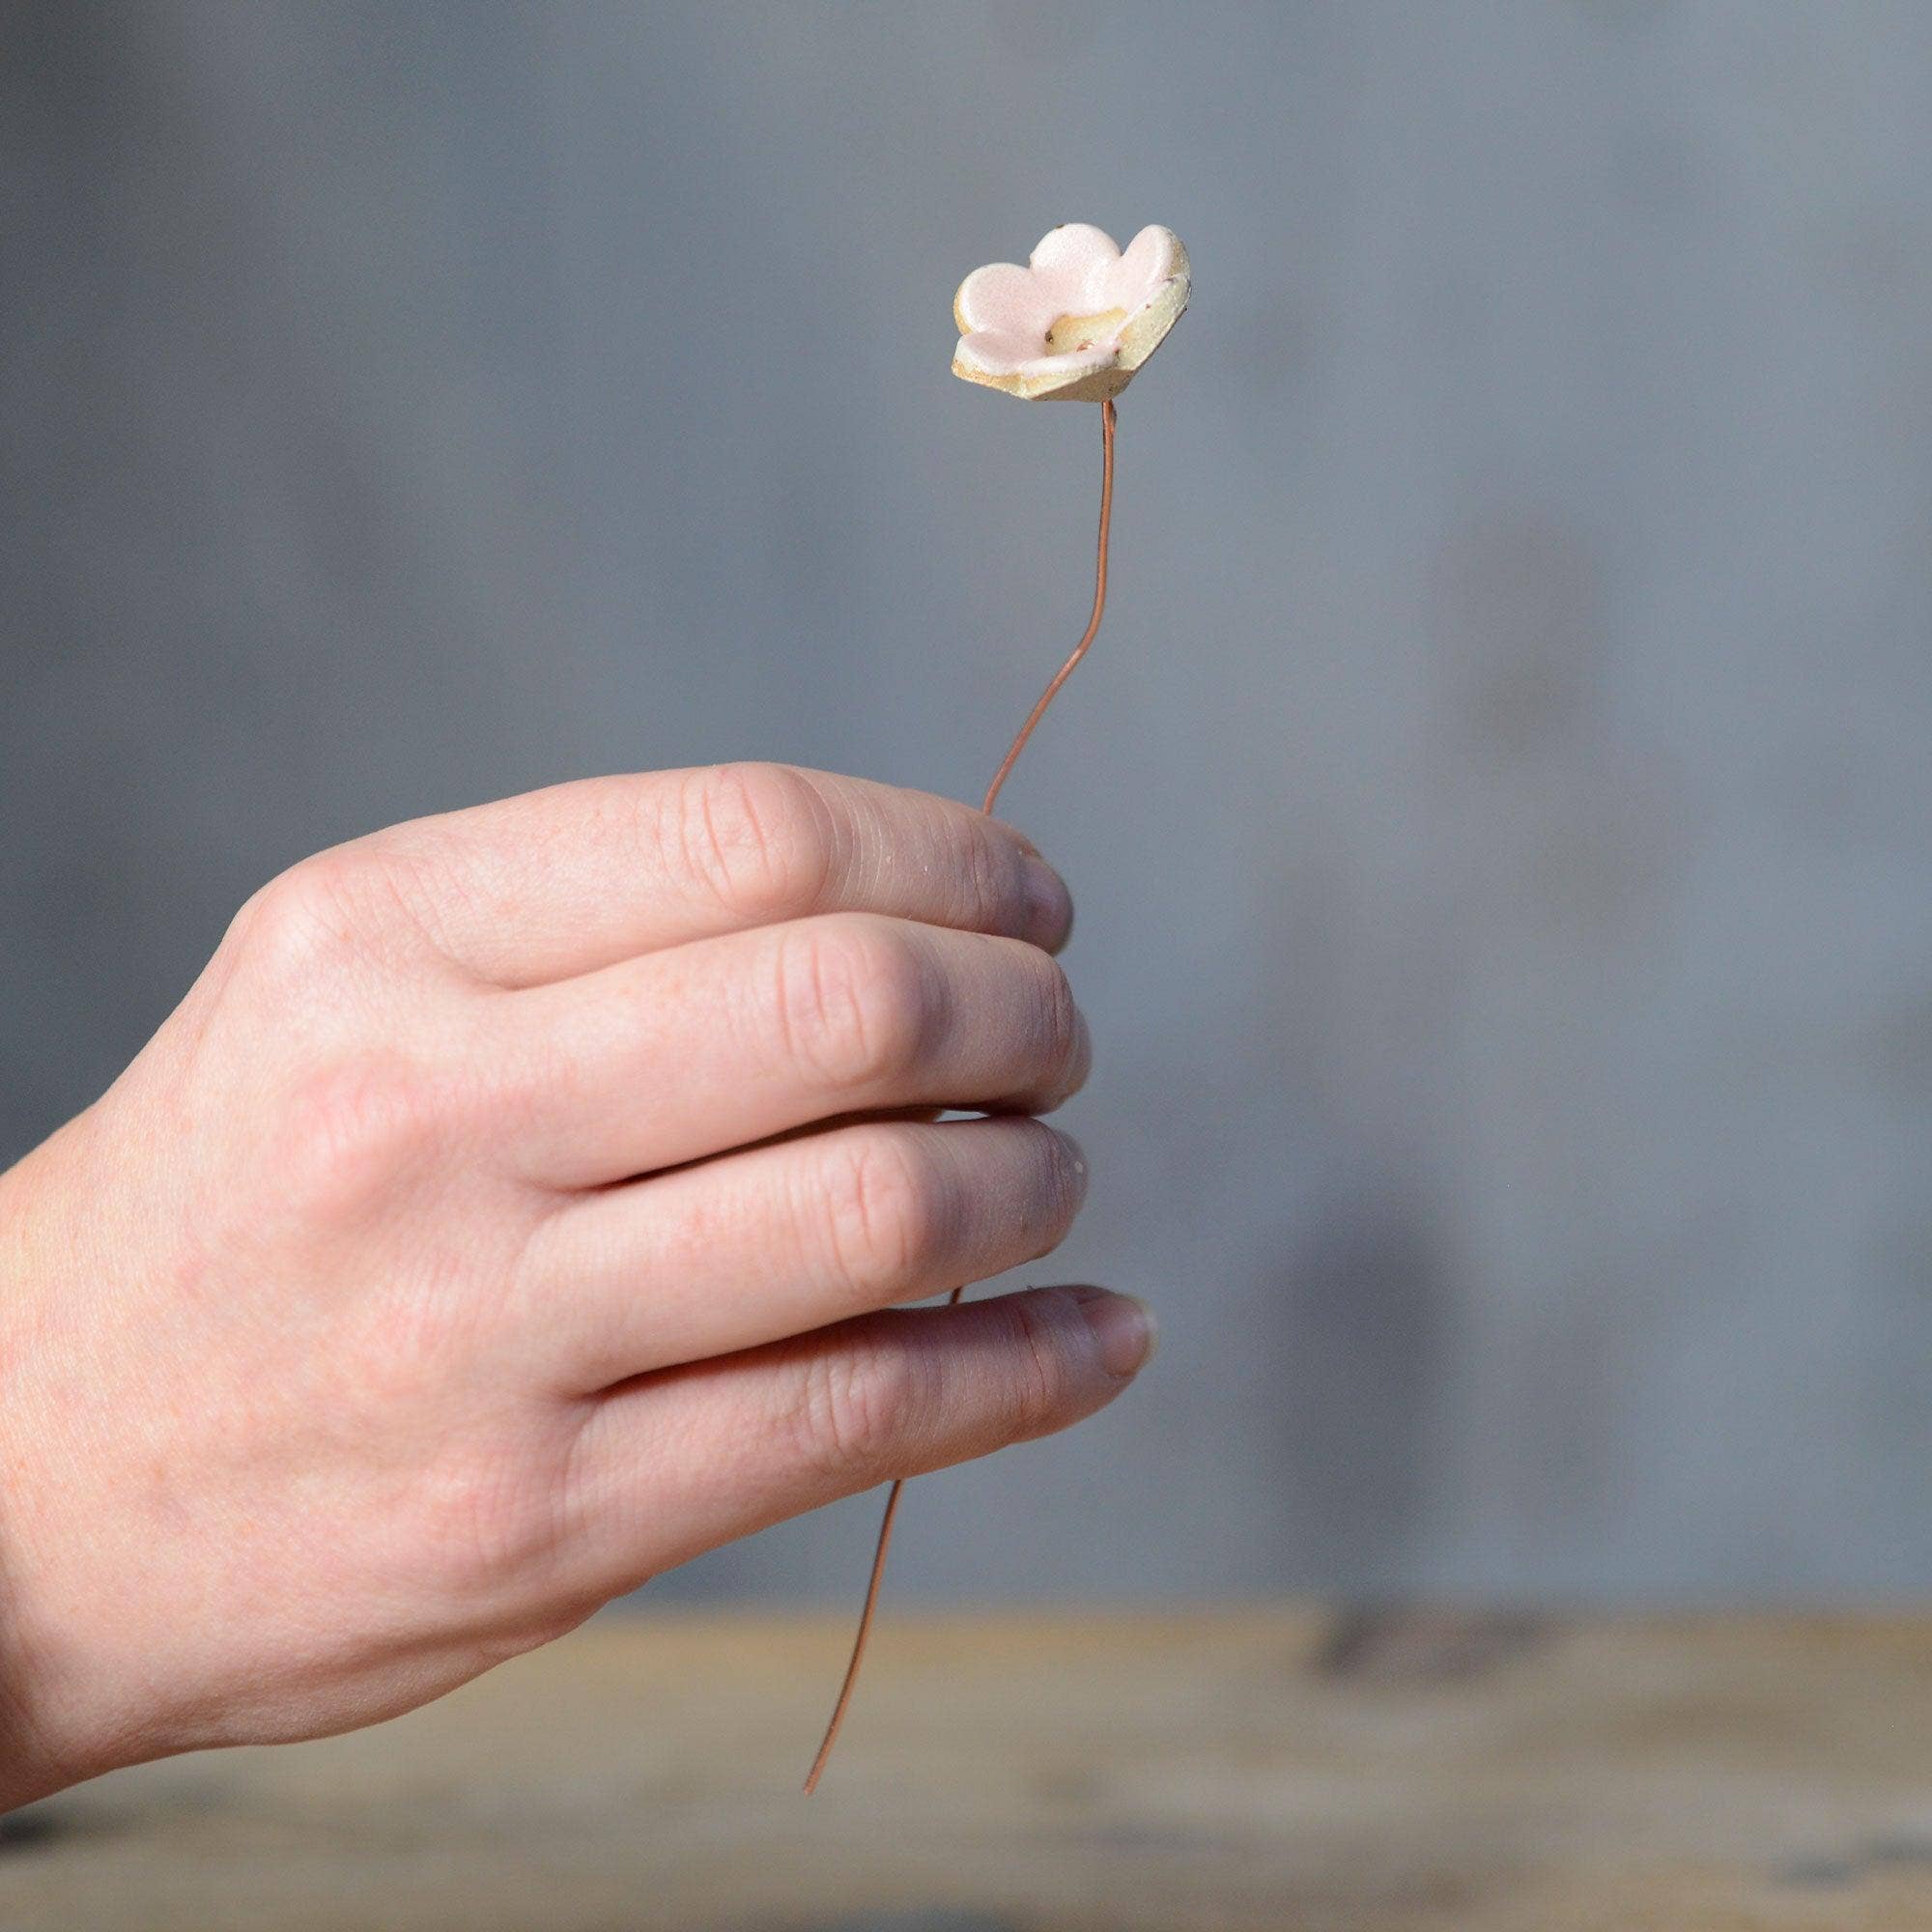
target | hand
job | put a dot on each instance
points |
(506, 1215)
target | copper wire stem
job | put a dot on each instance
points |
(1093, 629)
(885, 1543)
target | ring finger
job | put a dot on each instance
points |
(779, 1240)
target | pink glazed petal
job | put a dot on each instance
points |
(1002, 296)
(1150, 259)
(1078, 275)
(1074, 259)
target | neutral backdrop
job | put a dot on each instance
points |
(1499, 805)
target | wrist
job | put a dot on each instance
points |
(45, 1685)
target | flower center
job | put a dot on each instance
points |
(1069, 334)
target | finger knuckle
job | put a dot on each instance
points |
(352, 1129)
(1038, 1385)
(757, 839)
(1058, 1189)
(1061, 1029)
(858, 1404)
(989, 868)
(884, 1216)
(307, 917)
(477, 1523)
(853, 1005)
(391, 1353)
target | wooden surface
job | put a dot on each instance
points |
(1273, 1771)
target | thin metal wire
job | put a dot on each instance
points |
(885, 1543)
(1092, 630)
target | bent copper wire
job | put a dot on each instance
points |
(1092, 631)
(885, 1543)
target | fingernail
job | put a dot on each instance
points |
(1049, 904)
(1123, 1329)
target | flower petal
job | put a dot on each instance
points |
(1002, 296)
(1072, 261)
(1161, 306)
(1070, 367)
(1147, 260)
(1003, 362)
(997, 351)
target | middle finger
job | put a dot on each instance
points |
(675, 1056)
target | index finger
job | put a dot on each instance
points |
(575, 878)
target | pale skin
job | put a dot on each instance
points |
(515, 1207)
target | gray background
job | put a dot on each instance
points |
(1499, 802)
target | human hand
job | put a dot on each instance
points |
(512, 1211)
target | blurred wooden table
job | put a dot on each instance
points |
(1259, 1771)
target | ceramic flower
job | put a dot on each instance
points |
(1077, 320)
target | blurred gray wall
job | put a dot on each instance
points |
(1500, 803)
